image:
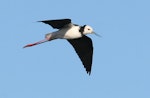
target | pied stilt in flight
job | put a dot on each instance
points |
(75, 35)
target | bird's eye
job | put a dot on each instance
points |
(88, 29)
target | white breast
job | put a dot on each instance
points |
(69, 33)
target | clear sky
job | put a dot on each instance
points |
(121, 60)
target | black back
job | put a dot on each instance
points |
(58, 24)
(84, 48)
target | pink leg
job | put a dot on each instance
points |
(39, 42)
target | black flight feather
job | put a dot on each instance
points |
(57, 24)
(84, 48)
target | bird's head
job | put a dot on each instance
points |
(88, 30)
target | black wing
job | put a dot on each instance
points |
(57, 23)
(84, 48)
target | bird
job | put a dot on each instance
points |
(75, 35)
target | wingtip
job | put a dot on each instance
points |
(89, 73)
(39, 21)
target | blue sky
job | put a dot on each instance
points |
(53, 70)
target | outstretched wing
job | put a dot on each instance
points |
(57, 23)
(84, 48)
